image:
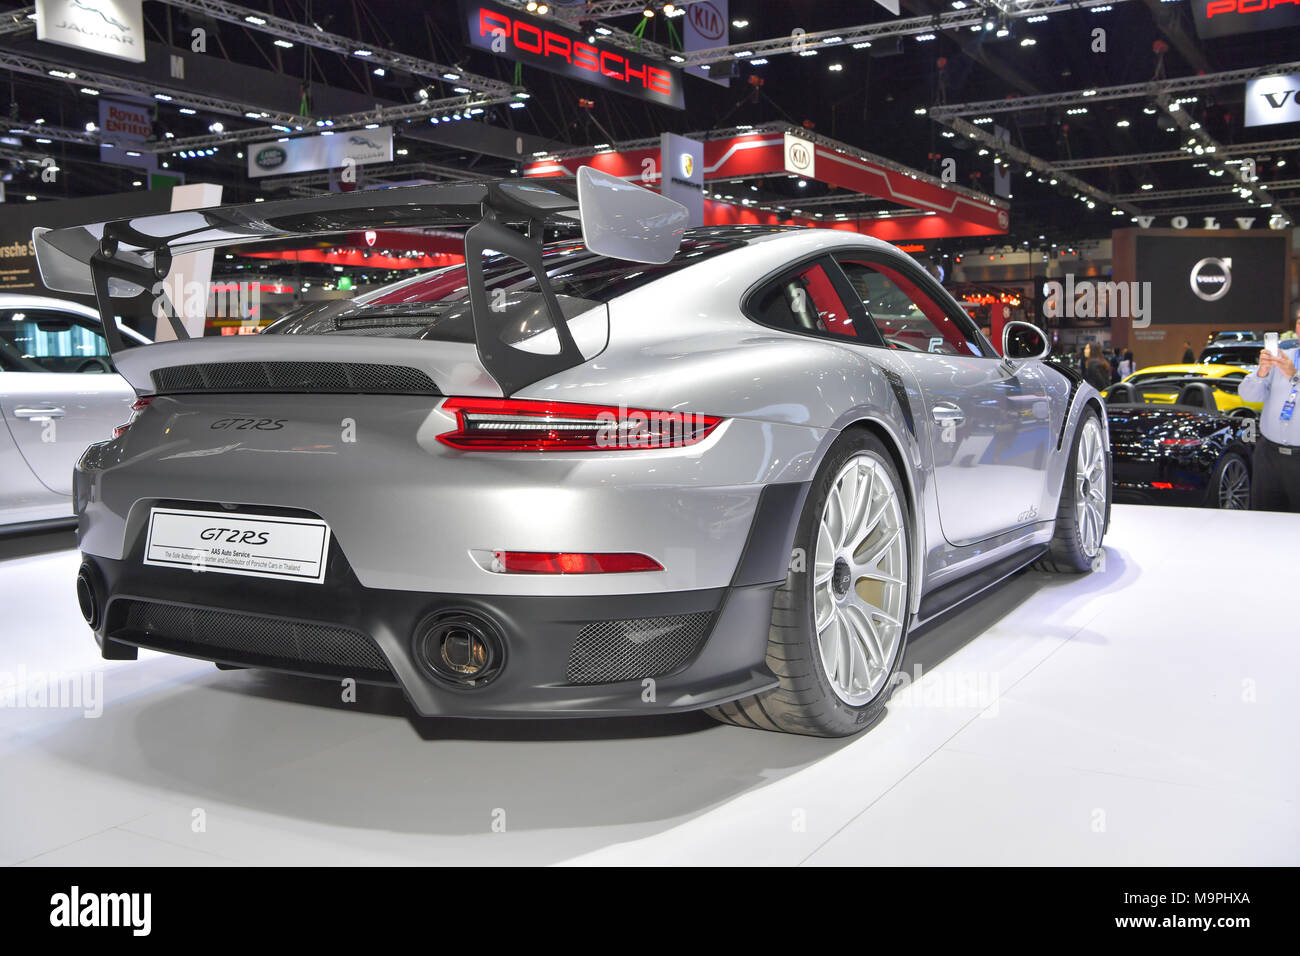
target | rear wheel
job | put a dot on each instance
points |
(1081, 514)
(839, 623)
(1230, 484)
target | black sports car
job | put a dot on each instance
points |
(1179, 454)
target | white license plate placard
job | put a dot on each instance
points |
(260, 546)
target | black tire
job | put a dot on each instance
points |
(1213, 491)
(1066, 554)
(804, 701)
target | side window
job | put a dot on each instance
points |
(804, 301)
(907, 318)
(45, 340)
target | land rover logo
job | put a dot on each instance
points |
(270, 158)
(1211, 278)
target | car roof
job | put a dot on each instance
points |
(18, 300)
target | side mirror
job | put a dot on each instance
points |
(1022, 340)
(625, 221)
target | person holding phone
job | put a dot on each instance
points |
(1275, 484)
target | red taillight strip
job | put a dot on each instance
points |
(139, 405)
(516, 424)
(569, 562)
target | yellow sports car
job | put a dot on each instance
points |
(1225, 397)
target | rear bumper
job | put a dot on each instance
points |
(562, 655)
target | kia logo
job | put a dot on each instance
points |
(707, 20)
(800, 156)
(270, 157)
(1211, 278)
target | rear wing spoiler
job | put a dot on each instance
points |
(622, 220)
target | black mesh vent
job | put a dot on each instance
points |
(634, 649)
(251, 639)
(337, 377)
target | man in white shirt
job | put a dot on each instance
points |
(1275, 482)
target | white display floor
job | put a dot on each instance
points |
(1145, 714)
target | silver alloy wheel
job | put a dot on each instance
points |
(860, 579)
(1234, 485)
(1090, 487)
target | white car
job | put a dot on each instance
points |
(59, 392)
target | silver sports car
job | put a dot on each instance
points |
(653, 469)
(58, 394)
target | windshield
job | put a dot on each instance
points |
(435, 305)
(1233, 355)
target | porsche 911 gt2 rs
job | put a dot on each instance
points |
(655, 469)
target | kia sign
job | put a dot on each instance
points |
(1222, 18)
(707, 24)
(345, 150)
(508, 32)
(111, 27)
(1273, 99)
(800, 156)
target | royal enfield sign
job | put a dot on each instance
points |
(800, 156)
(508, 32)
(1273, 99)
(343, 151)
(111, 27)
(125, 126)
(1221, 18)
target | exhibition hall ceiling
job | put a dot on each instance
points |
(1075, 159)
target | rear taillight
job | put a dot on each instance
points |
(568, 562)
(1180, 442)
(513, 424)
(139, 405)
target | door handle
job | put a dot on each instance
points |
(946, 413)
(39, 414)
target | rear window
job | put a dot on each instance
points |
(436, 305)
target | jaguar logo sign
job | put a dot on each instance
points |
(271, 157)
(1211, 278)
(110, 27)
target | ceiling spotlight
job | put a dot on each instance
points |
(835, 67)
(543, 9)
(91, 128)
(669, 9)
(1028, 41)
(648, 12)
(422, 95)
(740, 24)
(284, 44)
(1122, 124)
(532, 6)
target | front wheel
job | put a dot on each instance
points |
(1085, 494)
(839, 623)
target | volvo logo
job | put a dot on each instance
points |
(1211, 278)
